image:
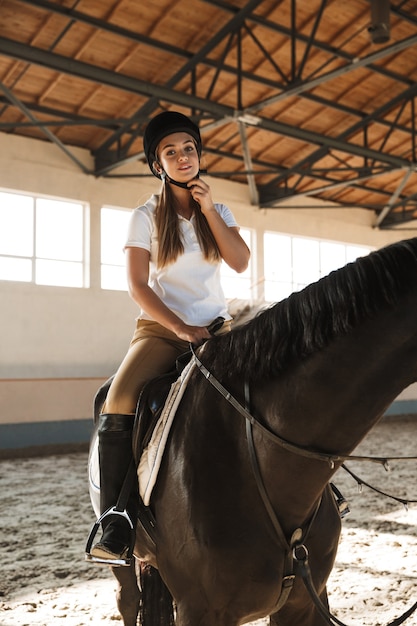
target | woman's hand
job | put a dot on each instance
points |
(201, 193)
(233, 249)
(193, 334)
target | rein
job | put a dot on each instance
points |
(296, 551)
(405, 502)
(331, 459)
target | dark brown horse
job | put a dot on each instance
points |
(321, 368)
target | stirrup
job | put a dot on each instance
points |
(341, 501)
(123, 562)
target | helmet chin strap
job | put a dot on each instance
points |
(165, 177)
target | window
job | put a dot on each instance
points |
(292, 263)
(114, 223)
(238, 286)
(42, 240)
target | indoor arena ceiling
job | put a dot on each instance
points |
(311, 102)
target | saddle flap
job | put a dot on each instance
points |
(151, 402)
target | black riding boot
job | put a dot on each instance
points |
(115, 456)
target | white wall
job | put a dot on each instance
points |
(48, 332)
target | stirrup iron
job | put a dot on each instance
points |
(123, 562)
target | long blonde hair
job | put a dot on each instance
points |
(170, 244)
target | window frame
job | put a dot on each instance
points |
(105, 265)
(284, 288)
(33, 256)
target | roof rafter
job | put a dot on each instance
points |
(293, 98)
(217, 110)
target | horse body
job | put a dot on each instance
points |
(321, 373)
(222, 562)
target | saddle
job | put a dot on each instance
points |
(148, 411)
(151, 402)
(154, 393)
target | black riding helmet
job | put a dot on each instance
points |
(165, 124)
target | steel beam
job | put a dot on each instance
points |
(45, 130)
(393, 198)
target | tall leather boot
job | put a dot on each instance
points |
(115, 456)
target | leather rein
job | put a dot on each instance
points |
(331, 459)
(296, 551)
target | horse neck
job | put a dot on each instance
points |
(329, 402)
(332, 399)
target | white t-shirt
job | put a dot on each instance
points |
(190, 286)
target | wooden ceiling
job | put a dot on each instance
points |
(297, 98)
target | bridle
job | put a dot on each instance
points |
(295, 549)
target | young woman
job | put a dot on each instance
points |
(176, 242)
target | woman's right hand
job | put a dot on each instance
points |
(193, 334)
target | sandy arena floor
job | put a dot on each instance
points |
(46, 517)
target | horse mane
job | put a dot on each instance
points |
(308, 320)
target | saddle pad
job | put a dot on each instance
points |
(151, 458)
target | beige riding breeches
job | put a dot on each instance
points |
(152, 352)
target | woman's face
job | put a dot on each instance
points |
(177, 154)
